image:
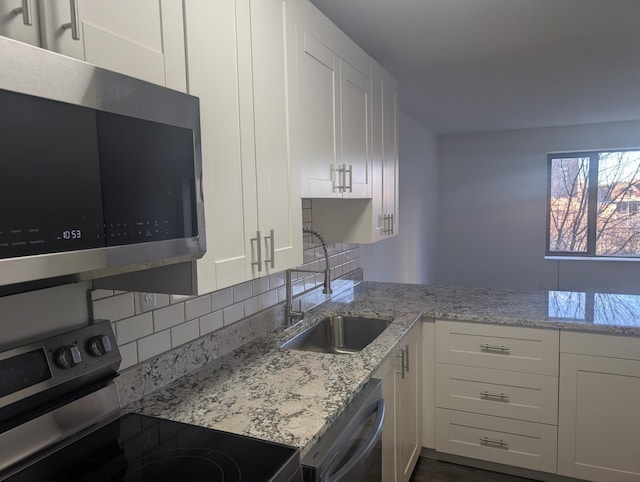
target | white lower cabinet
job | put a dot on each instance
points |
(599, 410)
(496, 393)
(401, 389)
(497, 439)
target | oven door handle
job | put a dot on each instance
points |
(365, 448)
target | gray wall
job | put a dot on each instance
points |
(410, 256)
(492, 198)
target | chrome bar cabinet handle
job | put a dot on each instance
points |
(495, 348)
(406, 348)
(402, 356)
(272, 259)
(500, 396)
(73, 25)
(338, 177)
(350, 172)
(258, 240)
(25, 10)
(495, 442)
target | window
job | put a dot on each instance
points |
(593, 204)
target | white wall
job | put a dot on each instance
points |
(409, 257)
(492, 198)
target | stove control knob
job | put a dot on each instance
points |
(99, 345)
(68, 356)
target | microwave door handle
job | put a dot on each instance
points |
(365, 448)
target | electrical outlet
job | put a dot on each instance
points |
(147, 302)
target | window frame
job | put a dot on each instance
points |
(592, 206)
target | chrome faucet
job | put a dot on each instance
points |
(290, 315)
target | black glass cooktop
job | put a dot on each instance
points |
(141, 448)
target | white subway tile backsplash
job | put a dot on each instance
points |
(197, 307)
(98, 294)
(221, 299)
(270, 298)
(185, 333)
(131, 329)
(167, 317)
(282, 294)
(297, 287)
(275, 280)
(233, 313)
(129, 354)
(242, 292)
(211, 322)
(180, 319)
(153, 345)
(260, 285)
(114, 308)
(252, 305)
(179, 298)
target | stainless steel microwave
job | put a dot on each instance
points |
(100, 173)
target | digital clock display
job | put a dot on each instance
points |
(72, 234)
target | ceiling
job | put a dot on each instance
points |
(478, 65)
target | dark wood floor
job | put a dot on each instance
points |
(429, 470)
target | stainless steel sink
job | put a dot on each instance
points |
(339, 334)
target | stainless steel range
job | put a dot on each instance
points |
(60, 420)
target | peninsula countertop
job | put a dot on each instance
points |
(291, 396)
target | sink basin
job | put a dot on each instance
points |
(339, 334)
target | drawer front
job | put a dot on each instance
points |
(523, 396)
(501, 440)
(512, 348)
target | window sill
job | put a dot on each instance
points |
(591, 258)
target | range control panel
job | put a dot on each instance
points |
(88, 353)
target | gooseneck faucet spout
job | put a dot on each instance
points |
(327, 271)
(289, 313)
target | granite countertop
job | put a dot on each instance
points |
(291, 396)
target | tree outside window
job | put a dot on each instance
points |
(594, 204)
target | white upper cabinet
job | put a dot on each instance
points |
(384, 220)
(19, 20)
(143, 39)
(236, 66)
(370, 220)
(330, 81)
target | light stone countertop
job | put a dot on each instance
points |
(291, 397)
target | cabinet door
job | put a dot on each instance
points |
(212, 45)
(384, 164)
(278, 191)
(317, 130)
(598, 419)
(355, 136)
(390, 152)
(20, 25)
(144, 39)
(409, 406)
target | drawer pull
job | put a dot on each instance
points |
(500, 396)
(494, 443)
(495, 348)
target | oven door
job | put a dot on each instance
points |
(351, 450)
